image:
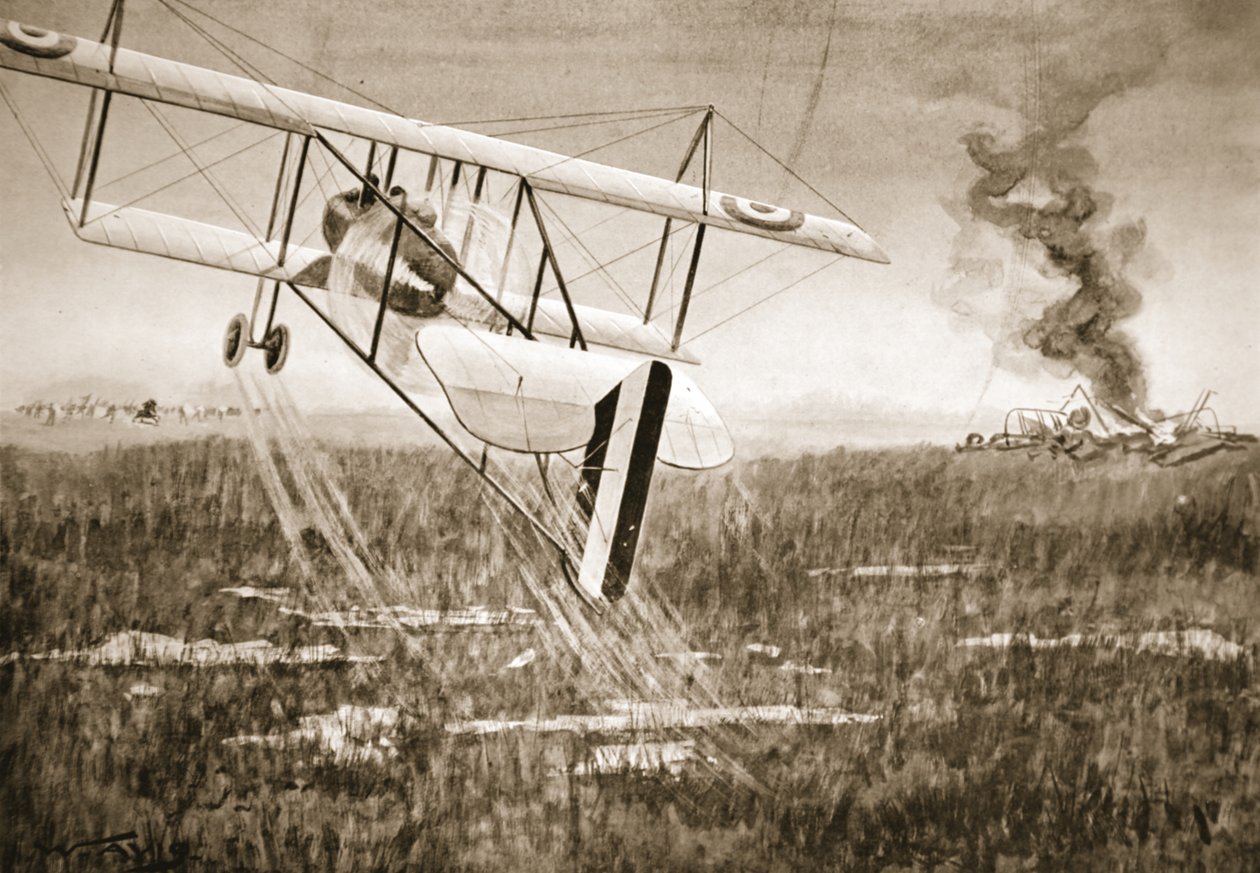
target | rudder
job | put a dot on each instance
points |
(617, 476)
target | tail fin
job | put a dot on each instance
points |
(617, 475)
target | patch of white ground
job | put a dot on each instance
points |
(351, 735)
(369, 734)
(1200, 642)
(141, 648)
(418, 619)
(646, 716)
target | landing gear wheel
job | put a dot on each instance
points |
(236, 340)
(276, 348)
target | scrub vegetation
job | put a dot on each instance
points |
(1102, 755)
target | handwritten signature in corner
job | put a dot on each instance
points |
(129, 850)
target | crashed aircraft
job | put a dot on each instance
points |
(1084, 430)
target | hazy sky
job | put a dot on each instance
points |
(1167, 96)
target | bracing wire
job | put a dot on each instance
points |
(661, 110)
(671, 115)
(645, 116)
(100, 186)
(788, 169)
(599, 268)
(49, 167)
(463, 122)
(655, 240)
(251, 70)
(765, 299)
(741, 271)
(187, 176)
(204, 170)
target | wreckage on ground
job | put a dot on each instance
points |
(1084, 429)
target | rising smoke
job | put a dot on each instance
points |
(1080, 329)
(1039, 194)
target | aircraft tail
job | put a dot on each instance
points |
(617, 475)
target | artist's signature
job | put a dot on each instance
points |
(128, 849)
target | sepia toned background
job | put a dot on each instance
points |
(1152, 106)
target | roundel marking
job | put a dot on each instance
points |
(760, 215)
(36, 41)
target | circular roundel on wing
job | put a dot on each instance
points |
(760, 215)
(1078, 418)
(36, 41)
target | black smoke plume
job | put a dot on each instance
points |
(1079, 330)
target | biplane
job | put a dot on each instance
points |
(521, 372)
(1084, 429)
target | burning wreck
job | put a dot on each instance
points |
(1036, 233)
(1086, 429)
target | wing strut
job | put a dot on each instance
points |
(470, 224)
(389, 168)
(113, 30)
(691, 281)
(507, 250)
(389, 280)
(550, 255)
(293, 202)
(702, 132)
(97, 143)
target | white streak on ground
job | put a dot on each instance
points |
(414, 618)
(144, 648)
(689, 657)
(806, 669)
(1196, 641)
(351, 735)
(524, 659)
(642, 757)
(248, 592)
(141, 690)
(647, 716)
(902, 571)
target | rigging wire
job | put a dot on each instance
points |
(784, 166)
(654, 241)
(636, 115)
(604, 113)
(172, 156)
(187, 176)
(223, 193)
(251, 70)
(741, 271)
(49, 167)
(600, 269)
(643, 116)
(765, 299)
(277, 51)
(315, 71)
(610, 143)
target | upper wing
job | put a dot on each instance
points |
(78, 60)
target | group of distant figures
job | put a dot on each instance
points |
(95, 408)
